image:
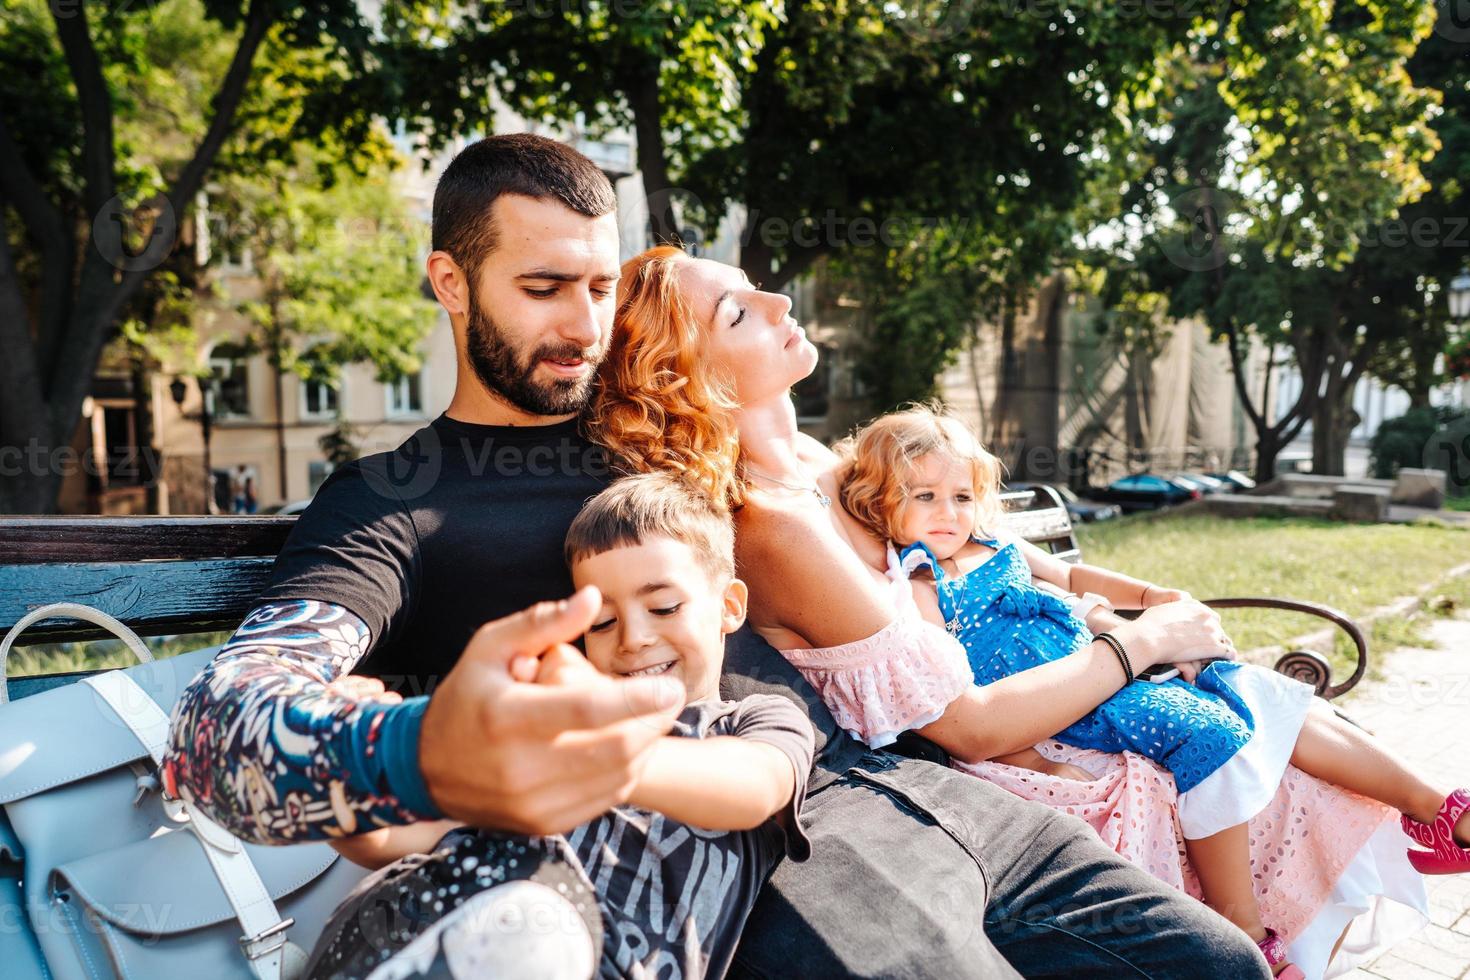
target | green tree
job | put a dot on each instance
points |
(338, 259)
(1283, 134)
(111, 118)
(934, 149)
(1411, 259)
(339, 264)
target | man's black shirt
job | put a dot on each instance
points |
(464, 524)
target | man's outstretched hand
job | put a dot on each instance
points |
(538, 758)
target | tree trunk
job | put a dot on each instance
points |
(642, 90)
(1268, 447)
(1333, 416)
(1333, 421)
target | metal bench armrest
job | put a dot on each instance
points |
(1305, 665)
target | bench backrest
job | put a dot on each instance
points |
(160, 575)
(1040, 516)
(168, 575)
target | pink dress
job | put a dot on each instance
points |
(1321, 856)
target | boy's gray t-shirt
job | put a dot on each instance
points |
(674, 897)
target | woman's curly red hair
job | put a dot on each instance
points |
(658, 405)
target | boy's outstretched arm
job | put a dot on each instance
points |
(721, 783)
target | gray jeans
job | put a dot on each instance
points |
(918, 870)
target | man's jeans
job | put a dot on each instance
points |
(918, 870)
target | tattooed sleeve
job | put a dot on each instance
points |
(261, 743)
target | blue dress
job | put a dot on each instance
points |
(1007, 624)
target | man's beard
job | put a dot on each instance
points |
(501, 367)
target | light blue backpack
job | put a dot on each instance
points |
(100, 877)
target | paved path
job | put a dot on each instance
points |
(1421, 708)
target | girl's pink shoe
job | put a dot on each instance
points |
(1273, 947)
(1445, 856)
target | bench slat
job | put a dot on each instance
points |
(42, 540)
(154, 598)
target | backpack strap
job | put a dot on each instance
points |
(271, 956)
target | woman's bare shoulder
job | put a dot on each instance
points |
(768, 518)
(803, 577)
(807, 445)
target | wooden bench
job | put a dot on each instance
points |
(159, 575)
(180, 575)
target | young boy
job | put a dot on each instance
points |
(674, 873)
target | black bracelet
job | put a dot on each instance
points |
(1123, 660)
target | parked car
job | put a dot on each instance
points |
(1145, 491)
(1206, 483)
(1236, 479)
(287, 510)
(1081, 511)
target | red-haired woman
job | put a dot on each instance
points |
(698, 381)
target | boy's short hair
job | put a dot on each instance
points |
(655, 505)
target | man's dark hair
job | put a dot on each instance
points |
(512, 163)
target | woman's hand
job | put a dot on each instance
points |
(1183, 630)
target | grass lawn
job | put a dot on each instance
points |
(1457, 503)
(57, 658)
(1354, 567)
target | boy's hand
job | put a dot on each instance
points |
(538, 758)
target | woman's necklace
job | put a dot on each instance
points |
(822, 498)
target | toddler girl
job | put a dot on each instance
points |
(921, 480)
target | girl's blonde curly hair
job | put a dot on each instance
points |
(658, 406)
(878, 466)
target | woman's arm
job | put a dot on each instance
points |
(721, 783)
(1016, 712)
(806, 581)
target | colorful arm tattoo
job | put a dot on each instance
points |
(260, 743)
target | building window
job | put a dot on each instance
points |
(230, 372)
(405, 396)
(318, 400)
(316, 474)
